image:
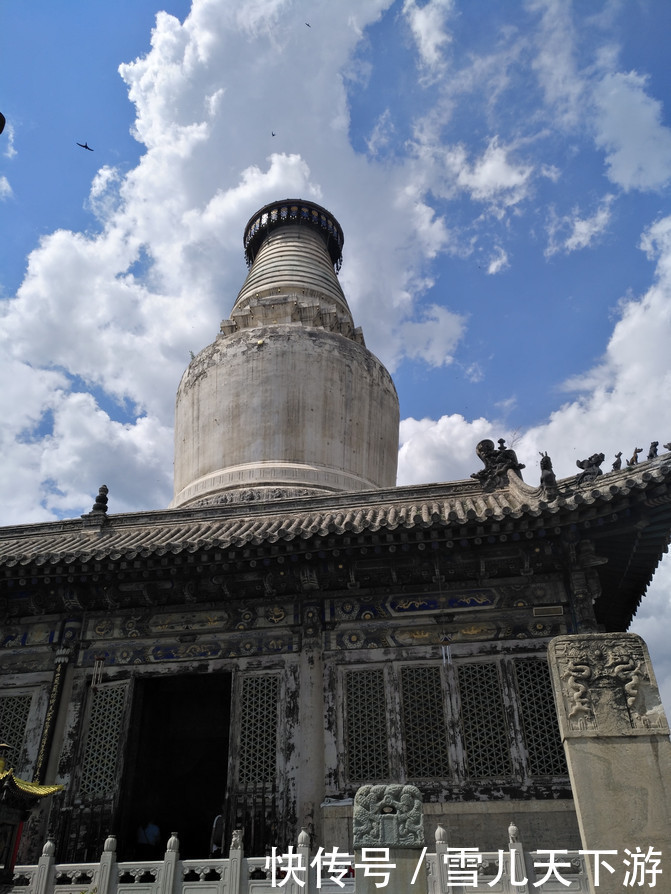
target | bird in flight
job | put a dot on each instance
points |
(85, 146)
(2, 122)
(308, 24)
(272, 133)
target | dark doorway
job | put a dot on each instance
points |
(176, 762)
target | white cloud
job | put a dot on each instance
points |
(442, 449)
(26, 400)
(104, 193)
(555, 62)
(552, 172)
(5, 188)
(433, 338)
(508, 404)
(493, 178)
(382, 133)
(8, 137)
(575, 231)
(474, 372)
(656, 243)
(427, 24)
(498, 261)
(586, 230)
(87, 449)
(652, 623)
(629, 128)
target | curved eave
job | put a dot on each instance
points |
(632, 551)
(457, 503)
(633, 554)
(21, 789)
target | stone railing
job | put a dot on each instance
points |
(509, 871)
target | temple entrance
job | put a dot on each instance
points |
(176, 762)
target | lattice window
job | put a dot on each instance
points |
(539, 718)
(258, 729)
(424, 727)
(483, 721)
(365, 715)
(99, 766)
(14, 711)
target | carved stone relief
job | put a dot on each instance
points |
(388, 816)
(604, 685)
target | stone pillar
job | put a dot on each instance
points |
(521, 872)
(388, 819)
(303, 852)
(169, 881)
(441, 850)
(616, 739)
(106, 880)
(45, 875)
(235, 856)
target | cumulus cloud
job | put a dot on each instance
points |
(629, 129)
(26, 401)
(104, 193)
(86, 447)
(5, 188)
(441, 449)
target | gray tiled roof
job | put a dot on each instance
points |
(236, 525)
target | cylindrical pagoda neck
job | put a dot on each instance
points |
(293, 262)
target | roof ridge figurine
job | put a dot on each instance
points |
(548, 477)
(590, 466)
(498, 462)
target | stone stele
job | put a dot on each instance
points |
(616, 739)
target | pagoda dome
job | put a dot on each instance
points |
(287, 401)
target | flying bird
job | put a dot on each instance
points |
(308, 24)
(2, 122)
(85, 146)
(272, 133)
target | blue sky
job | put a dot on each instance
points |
(501, 170)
